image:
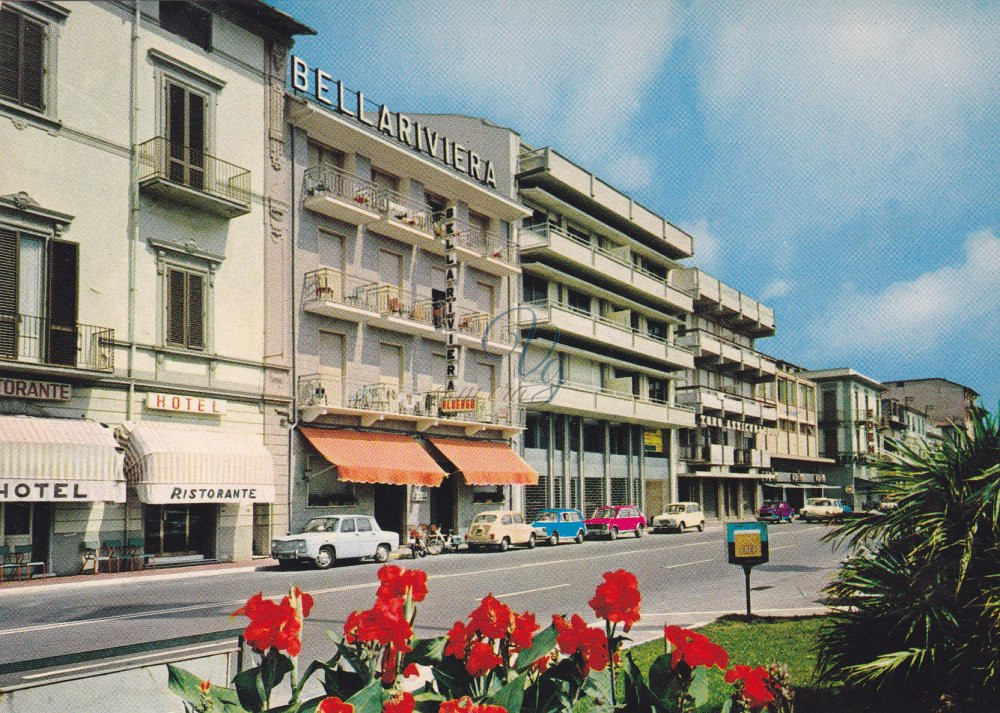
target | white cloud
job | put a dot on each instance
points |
(706, 245)
(915, 315)
(630, 171)
(775, 288)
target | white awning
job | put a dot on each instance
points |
(175, 464)
(59, 460)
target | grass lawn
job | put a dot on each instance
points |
(764, 640)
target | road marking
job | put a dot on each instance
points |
(526, 591)
(718, 612)
(116, 661)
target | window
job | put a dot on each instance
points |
(535, 288)
(185, 127)
(185, 20)
(185, 321)
(22, 59)
(326, 490)
(518, 518)
(364, 524)
(347, 525)
(391, 364)
(578, 300)
(17, 519)
(506, 520)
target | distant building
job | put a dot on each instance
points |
(945, 402)
(904, 424)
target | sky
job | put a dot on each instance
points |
(838, 161)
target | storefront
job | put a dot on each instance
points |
(54, 471)
(197, 488)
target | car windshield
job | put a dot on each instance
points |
(820, 502)
(485, 518)
(547, 517)
(322, 524)
(674, 509)
(604, 512)
(771, 504)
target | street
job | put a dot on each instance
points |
(684, 579)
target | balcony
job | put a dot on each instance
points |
(586, 400)
(38, 341)
(183, 174)
(483, 249)
(406, 220)
(322, 395)
(338, 194)
(599, 264)
(705, 399)
(610, 331)
(482, 330)
(547, 171)
(740, 312)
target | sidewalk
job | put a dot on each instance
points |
(39, 584)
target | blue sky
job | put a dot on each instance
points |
(840, 162)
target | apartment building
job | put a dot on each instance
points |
(903, 423)
(793, 444)
(599, 317)
(722, 464)
(946, 404)
(850, 413)
(404, 275)
(135, 411)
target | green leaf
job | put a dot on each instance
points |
(699, 686)
(638, 697)
(661, 675)
(250, 689)
(543, 643)
(727, 707)
(273, 669)
(369, 699)
(511, 696)
(597, 686)
(188, 687)
(426, 652)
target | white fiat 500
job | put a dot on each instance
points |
(324, 540)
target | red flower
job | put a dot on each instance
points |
(384, 623)
(304, 600)
(754, 687)
(575, 637)
(205, 685)
(396, 582)
(411, 670)
(492, 618)
(542, 664)
(458, 639)
(465, 705)
(482, 659)
(400, 703)
(271, 624)
(389, 658)
(694, 648)
(334, 705)
(524, 630)
(617, 598)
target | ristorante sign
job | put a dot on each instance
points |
(38, 390)
(398, 126)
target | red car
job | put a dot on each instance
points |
(612, 520)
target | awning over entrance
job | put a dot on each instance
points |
(58, 460)
(363, 457)
(175, 464)
(486, 462)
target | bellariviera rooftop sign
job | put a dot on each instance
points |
(329, 92)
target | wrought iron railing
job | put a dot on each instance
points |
(25, 338)
(476, 239)
(193, 168)
(341, 184)
(403, 209)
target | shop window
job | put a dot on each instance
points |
(261, 529)
(593, 437)
(327, 490)
(536, 432)
(185, 20)
(619, 439)
(17, 519)
(22, 59)
(185, 302)
(487, 494)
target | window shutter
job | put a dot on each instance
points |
(175, 307)
(32, 64)
(10, 23)
(196, 140)
(196, 311)
(63, 302)
(8, 293)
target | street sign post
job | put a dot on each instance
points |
(746, 545)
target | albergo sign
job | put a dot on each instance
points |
(395, 125)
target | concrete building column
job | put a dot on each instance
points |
(607, 462)
(579, 463)
(642, 470)
(550, 456)
(673, 462)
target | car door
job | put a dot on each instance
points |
(348, 540)
(367, 537)
(522, 530)
(565, 526)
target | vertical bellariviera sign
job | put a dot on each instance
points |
(451, 281)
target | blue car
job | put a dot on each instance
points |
(555, 524)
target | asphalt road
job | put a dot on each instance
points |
(684, 579)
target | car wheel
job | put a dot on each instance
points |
(325, 558)
(681, 526)
(638, 531)
(504, 544)
(554, 539)
(701, 526)
(382, 553)
(613, 535)
(579, 537)
(531, 541)
(286, 564)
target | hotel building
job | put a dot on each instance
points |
(404, 273)
(600, 310)
(723, 459)
(138, 416)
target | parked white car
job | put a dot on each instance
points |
(324, 540)
(821, 509)
(678, 516)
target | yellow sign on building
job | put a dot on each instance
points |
(653, 441)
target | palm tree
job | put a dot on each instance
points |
(921, 587)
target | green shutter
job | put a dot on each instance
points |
(8, 293)
(175, 307)
(32, 64)
(196, 311)
(10, 29)
(63, 297)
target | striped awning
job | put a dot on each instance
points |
(59, 460)
(368, 457)
(486, 462)
(173, 463)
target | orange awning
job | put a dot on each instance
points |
(486, 462)
(362, 457)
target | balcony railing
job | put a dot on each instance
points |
(402, 209)
(24, 338)
(329, 284)
(341, 184)
(196, 170)
(481, 242)
(324, 391)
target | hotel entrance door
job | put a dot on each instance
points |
(180, 530)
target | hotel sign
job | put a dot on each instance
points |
(37, 390)
(185, 404)
(398, 126)
(37, 490)
(454, 405)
